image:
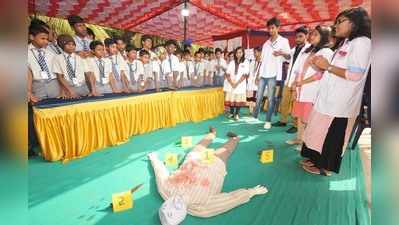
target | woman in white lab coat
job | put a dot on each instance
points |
(340, 94)
(236, 74)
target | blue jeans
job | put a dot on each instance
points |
(271, 88)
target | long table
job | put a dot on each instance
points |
(72, 131)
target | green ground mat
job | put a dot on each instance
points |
(79, 192)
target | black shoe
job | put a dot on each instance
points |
(212, 129)
(292, 130)
(231, 134)
(279, 124)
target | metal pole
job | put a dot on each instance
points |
(185, 22)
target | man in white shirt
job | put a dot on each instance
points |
(301, 35)
(274, 51)
(81, 38)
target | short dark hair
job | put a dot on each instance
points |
(218, 50)
(145, 37)
(37, 29)
(64, 39)
(94, 44)
(130, 47)
(143, 52)
(109, 41)
(90, 32)
(118, 38)
(230, 53)
(197, 53)
(38, 22)
(361, 22)
(74, 19)
(258, 49)
(186, 52)
(171, 42)
(273, 21)
(201, 50)
(302, 29)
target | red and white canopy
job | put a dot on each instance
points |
(207, 17)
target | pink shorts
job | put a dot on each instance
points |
(302, 110)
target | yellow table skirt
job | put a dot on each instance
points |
(73, 131)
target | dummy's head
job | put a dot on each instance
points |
(173, 211)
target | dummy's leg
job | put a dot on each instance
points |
(225, 151)
(205, 141)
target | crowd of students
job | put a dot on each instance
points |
(321, 92)
(71, 67)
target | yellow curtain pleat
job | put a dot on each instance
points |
(74, 131)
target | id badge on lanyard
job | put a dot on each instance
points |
(75, 82)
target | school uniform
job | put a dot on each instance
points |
(188, 73)
(44, 82)
(161, 70)
(118, 64)
(146, 75)
(73, 69)
(132, 74)
(82, 44)
(337, 105)
(198, 78)
(153, 56)
(207, 72)
(219, 72)
(306, 94)
(180, 77)
(101, 68)
(237, 96)
(54, 48)
(173, 65)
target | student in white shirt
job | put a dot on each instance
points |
(274, 51)
(42, 83)
(119, 80)
(181, 68)
(236, 74)
(340, 93)
(208, 69)
(253, 79)
(146, 44)
(220, 67)
(81, 38)
(132, 61)
(161, 68)
(306, 78)
(188, 73)
(100, 70)
(173, 63)
(70, 69)
(145, 77)
(121, 46)
(197, 79)
(287, 101)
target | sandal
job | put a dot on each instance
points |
(306, 162)
(315, 170)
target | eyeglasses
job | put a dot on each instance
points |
(340, 21)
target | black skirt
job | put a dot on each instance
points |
(330, 157)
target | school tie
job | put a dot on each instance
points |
(101, 68)
(114, 69)
(70, 71)
(161, 71)
(188, 71)
(42, 62)
(196, 69)
(170, 63)
(131, 73)
(218, 67)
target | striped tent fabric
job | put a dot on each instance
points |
(207, 18)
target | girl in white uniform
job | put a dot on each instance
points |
(306, 77)
(236, 75)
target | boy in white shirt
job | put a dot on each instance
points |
(119, 67)
(146, 44)
(100, 70)
(220, 66)
(70, 69)
(274, 51)
(173, 63)
(42, 83)
(121, 46)
(197, 79)
(132, 61)
(188, 72)
(161, 68)
(145, 77)
(81, 38)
